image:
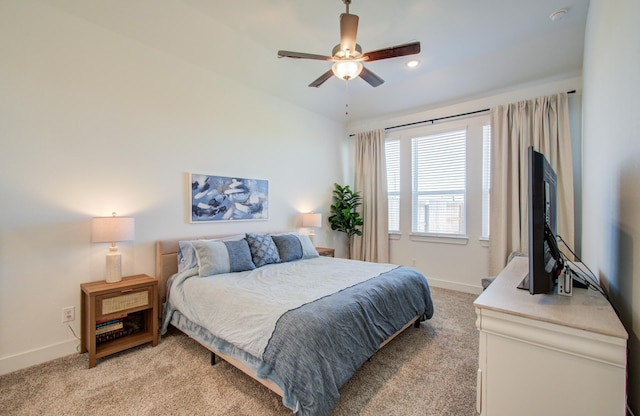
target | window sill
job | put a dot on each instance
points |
(484, 242)
(443, 239)
(395, 235)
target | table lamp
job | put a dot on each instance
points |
(111, 230)
(312, 220)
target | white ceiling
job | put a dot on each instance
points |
(469, 47)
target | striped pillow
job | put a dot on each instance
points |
(216, 257)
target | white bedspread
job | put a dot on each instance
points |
(243, 308)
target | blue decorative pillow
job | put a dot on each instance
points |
(216, 257)
(289, 246)
(239, 256)
(263, 249)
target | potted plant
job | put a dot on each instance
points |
(344, 217)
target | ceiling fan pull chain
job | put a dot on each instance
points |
(346, 89)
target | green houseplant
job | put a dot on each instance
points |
(344, 216)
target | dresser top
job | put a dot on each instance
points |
(586, 310)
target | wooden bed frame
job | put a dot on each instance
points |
(167, 265)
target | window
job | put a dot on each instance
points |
(438, 183)
(438, 188)
(392, 155)
(486, 178)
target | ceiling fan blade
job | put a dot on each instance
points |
(302, 55)
(321, 79)
(348, 32)
(370, 77)
(394, 51)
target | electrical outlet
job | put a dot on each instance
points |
(68, 314)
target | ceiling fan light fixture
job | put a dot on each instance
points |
(347, 69)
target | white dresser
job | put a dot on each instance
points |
(548, 354)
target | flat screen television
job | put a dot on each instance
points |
(545, 261)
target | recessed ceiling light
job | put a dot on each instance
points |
(413, 63)
(558, 15)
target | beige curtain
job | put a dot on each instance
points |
(543, 123)
(371, 182)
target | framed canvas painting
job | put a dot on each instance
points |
(222, 198)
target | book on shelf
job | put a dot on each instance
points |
(108, 327)
(109, 322)
(114, 328)
(109, 336)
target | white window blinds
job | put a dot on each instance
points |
(392, 155)
(486, 178)
(439, 183)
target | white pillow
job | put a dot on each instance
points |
(308, 249)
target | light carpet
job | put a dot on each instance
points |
(429, 370)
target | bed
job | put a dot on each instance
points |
(299, 323)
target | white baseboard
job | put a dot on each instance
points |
(40, 355)
(460, 287)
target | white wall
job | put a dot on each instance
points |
(611, 164)
(462, 266)
(92, 122)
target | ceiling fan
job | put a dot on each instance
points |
(347, 57)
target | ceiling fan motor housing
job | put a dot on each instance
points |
(338, 53)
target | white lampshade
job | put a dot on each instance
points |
(312, 219)
(111, 230)
(347, 69)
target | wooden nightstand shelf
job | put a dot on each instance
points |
(131, 304)
(327, 252)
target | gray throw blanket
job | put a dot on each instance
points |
(317, 347)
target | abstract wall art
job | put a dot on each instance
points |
(222, 198)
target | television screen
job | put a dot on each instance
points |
(545, 261)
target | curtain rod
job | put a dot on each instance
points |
(433, 120)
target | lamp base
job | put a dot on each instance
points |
(114, 265)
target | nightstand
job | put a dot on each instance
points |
(327, 252)
(118, 316)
